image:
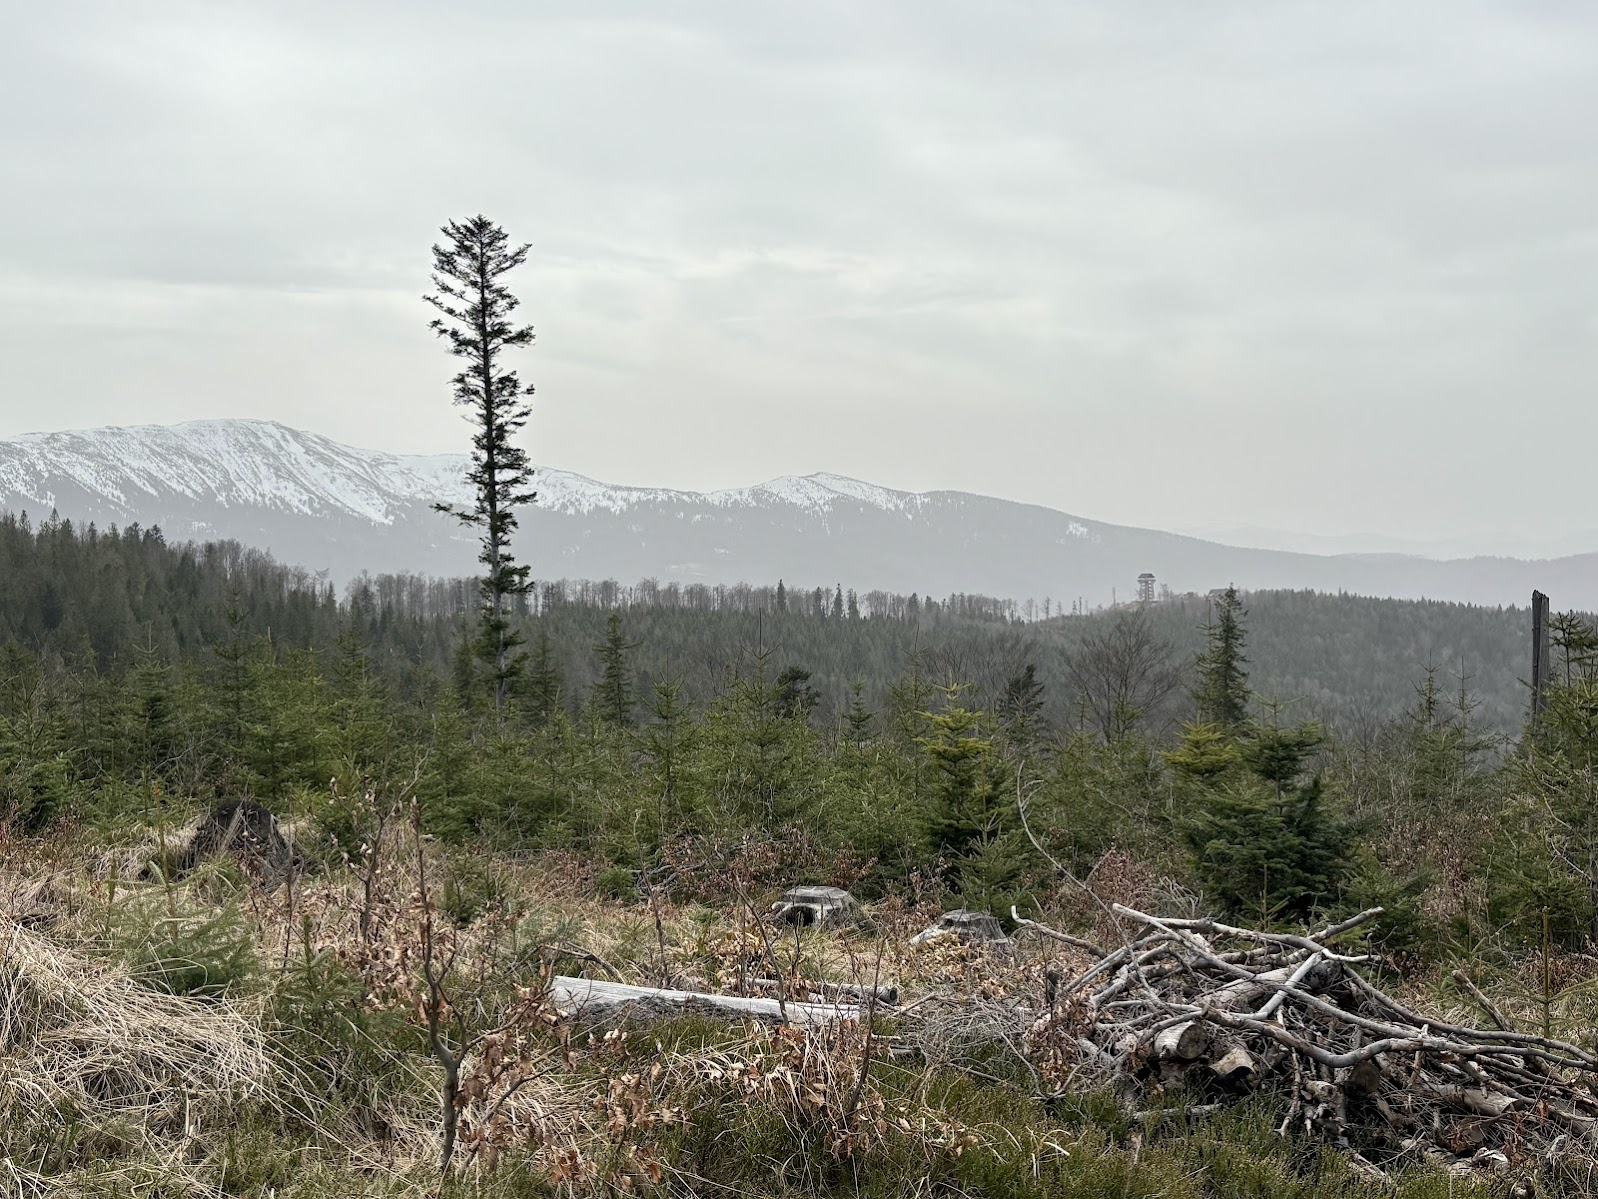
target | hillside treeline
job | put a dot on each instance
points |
(907, 740)
(109, 598)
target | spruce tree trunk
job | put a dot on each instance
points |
(491, 488)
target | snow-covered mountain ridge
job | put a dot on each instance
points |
(332, 508)
(266, 464)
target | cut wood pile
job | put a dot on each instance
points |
(1217, 1011)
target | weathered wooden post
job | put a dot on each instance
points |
(1539, 652)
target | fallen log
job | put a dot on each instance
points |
(576, 997)
(827, 992)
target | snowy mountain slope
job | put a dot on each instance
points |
(233, 464)
(245, 463)
(334, 508)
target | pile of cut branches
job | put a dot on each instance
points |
(1220, 1011)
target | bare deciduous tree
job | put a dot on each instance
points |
(984, 664)
(1124, 673)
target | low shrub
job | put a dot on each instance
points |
(184, 952)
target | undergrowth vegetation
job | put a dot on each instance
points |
(204, 1036)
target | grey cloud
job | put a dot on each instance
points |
(1161, 263)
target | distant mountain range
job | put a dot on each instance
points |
(337, 509)
(1526, 543)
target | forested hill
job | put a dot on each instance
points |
(113, 599)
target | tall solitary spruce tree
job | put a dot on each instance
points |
(476, 307)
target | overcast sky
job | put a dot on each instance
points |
(1327, 267)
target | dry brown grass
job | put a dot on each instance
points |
(81, 1040)
(598, 1113)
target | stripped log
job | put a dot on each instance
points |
(588, 997)
(829, 992)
